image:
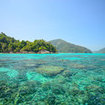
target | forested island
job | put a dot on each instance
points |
(11, 45)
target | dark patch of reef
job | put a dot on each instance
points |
(55, 92)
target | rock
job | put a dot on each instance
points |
(50, 70)
(67, 73)
(44, 52)
(77, 66)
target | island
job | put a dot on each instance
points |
(11, 45)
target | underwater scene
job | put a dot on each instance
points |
(52, 79)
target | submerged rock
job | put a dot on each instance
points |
(67, 73)
(77, 66)
(50, 70)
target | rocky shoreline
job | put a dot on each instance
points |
(26, 52)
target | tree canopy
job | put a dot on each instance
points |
(9, 44)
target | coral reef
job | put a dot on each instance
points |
(52, 81)
(49, 70)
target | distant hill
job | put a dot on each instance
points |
(101, 51)
(66, 47)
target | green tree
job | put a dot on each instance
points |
(8, 44)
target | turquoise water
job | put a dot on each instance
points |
(52, 79)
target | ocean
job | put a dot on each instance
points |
(52, 79)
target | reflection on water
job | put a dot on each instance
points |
(52, 79)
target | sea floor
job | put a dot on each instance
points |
(52, 79)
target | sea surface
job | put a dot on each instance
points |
(52, 79)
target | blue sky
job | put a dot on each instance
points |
(81, 22)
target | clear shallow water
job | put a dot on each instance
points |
(52, 79)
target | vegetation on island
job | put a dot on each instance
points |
(11, 45)
(66, 47)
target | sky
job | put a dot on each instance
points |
(81, 22)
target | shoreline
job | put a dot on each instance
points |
(28, 53)
(52, 53)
